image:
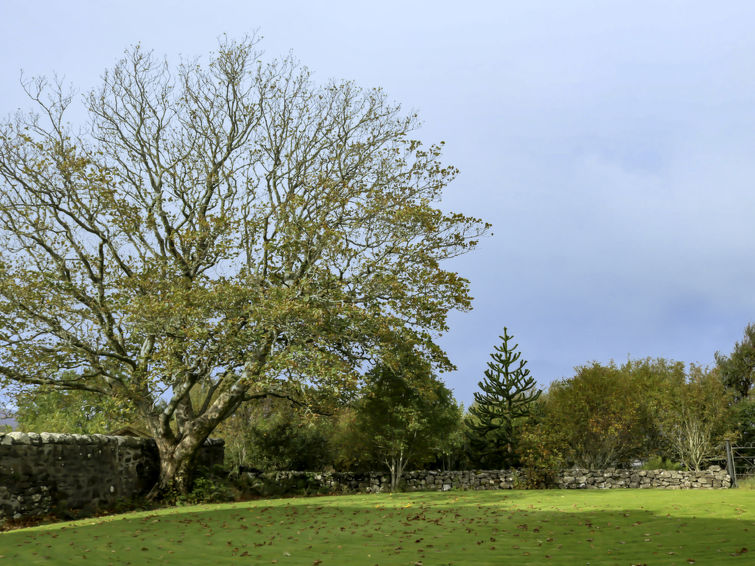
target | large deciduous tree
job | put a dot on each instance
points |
(218, 232)
(598, 415)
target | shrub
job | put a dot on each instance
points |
(540, 455)
(660, 463)
(208, 488)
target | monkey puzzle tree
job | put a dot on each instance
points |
(508, 392)
(218, 232)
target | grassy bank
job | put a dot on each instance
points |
(495, 527)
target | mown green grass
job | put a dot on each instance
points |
(494, 527)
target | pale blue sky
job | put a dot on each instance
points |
(610, 143)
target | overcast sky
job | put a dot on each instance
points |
(610, 143)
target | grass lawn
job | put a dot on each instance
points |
(430, 529)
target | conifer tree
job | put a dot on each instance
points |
(508, 392)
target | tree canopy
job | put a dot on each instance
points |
(605, 414)
(79, 412)
(738, 368)
(612, 415)
(217, 232)
(406, 413)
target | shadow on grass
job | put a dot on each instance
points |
(549, 527)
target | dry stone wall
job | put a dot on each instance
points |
(49, 473)
(62, 474)
(269, 483)
(712, 478)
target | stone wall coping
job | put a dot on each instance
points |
(68, 438)
(576, 478)
(572, 471)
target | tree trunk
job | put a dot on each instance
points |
(177, 448)
(396, 465)
(176, 466)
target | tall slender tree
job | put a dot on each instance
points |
(508, 392)
(407, 413)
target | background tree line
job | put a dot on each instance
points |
(651, 412)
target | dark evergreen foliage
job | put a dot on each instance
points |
(507, 394)
(738, 368)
